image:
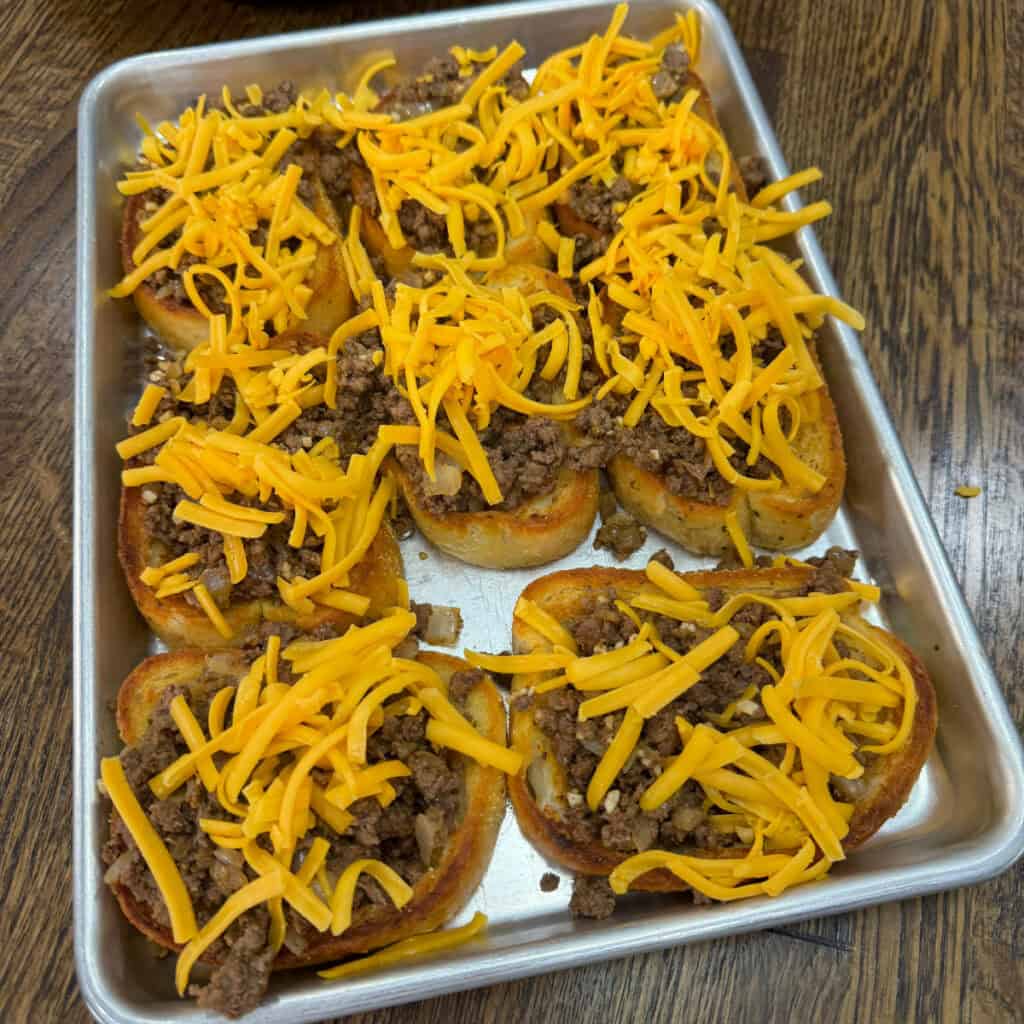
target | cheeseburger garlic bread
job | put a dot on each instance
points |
(233, 515)
(184, 262)
(459, 297)
(728, 733)
(545, 279)
(320, 799)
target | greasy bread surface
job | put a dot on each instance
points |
(781, 520)
(539, 797)
(181, 624)
(436, 897)
(539, 531)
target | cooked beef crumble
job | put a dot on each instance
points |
(680, 459)
(409, 835)
(592, 897)
(620, 823)
(755, 174)
(670, 80)
(662, 557)
(831, 571)
(268, 556)
(525, 454)
(599, 204)
(621, 534)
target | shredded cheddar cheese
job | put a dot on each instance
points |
(687, 314)
(819, 706)
(221, 173)
(280, 733)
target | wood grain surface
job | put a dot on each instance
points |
(915, 109)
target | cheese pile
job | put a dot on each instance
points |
(823, 707)
(310, 490)
(221, 170)
(275, 735)
(675, 306)
(685, 274)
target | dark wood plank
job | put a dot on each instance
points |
(915, 110)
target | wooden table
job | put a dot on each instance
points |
(915, 109)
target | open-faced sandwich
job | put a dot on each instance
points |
(239, 507)
(227, 213)
(731, 733)
(319, 800)
(546, 279)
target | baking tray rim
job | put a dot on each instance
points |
(986, 855)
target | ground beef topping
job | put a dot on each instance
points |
(592, 897)
(669, 82)
(409, 835)
(620, 823)
(831, 571)
(621, 534)
(599, 204)
(525, 454)
(679, 458)
(268, 556)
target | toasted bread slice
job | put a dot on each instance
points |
(180, 624)
(538, 531)
(779, 520)
(437, 896)
(535, 533)
(539, 793)
(179, 324)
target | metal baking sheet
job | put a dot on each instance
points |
(965, 818)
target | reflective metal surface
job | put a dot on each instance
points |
(965, 819)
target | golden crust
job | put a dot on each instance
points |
(537, 800)
(182, 326)
(539, 531)
(437, 896)
(180, 624)
(779, 520)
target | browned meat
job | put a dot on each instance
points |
(239, 983)
(669, 81)
(621, 534)
(662, 557)
(591, 897)
(596, 202)
(831, 571)
(422, 816)
(525, 454)
(755, 174)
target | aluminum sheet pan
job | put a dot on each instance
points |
(965, 818)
